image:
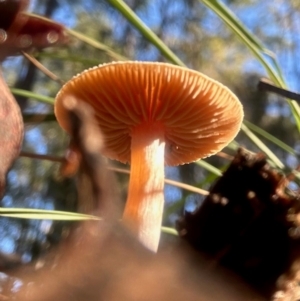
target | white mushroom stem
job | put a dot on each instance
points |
(145, 201)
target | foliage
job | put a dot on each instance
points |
(187, 33)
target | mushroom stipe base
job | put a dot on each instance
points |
(145, 201)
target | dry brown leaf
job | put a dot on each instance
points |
(11, 131)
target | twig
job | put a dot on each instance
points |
(41, 157)
(266, 85)
(224, 156)
(42, 68)
(119, 170)
(168, 181)
(38, 118)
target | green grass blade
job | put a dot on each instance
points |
(69, 58)
(41, 214)
(270, 137)
(112, 53)
(296, 112)
(233, 146)
(274, 159)
(255, 46)
(38, 97)
(96, 44)
(127, 12)
(28, 213)
(169, 230)
(209, 167)
(247, 37)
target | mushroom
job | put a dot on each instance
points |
(152, 114)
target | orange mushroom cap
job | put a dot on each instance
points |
(200, 116)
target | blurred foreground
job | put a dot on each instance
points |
(102, 261)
